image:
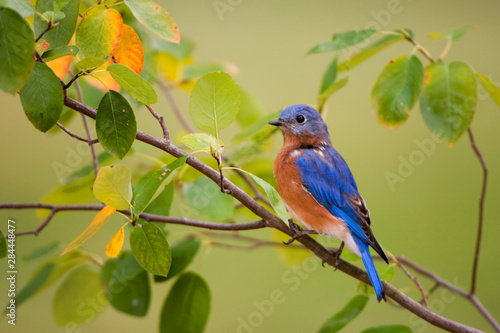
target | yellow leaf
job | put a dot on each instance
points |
(130, 52)
(115, 244)
(171, 67)
(290, 255)
(113, 186)
(98, 221)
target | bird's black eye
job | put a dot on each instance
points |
(300, 119)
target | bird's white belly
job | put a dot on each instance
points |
(341, 233)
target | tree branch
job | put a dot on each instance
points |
(146, 216)
(481, 211)
(166, 134)
(73, 135)
(418, 46)
(272, 221)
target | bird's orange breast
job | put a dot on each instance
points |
(302, 204)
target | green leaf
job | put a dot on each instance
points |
(41, 251)
(99, 32)
(397, 89)
(89, 64)
(490, 87)
(387, 274)
(274, 197)
(205, 197)
(214, 102)
(179, 51)
(149, 184)
(330, 76)
(3, 245)
(388, 329)
(60, 35)
(60, 52)
(449, 99)
(79, 294)
(127, 284)
(115, 124)
(48, 273)
(250, 110)
(336, 86)
(42, 97)
(187, 306)
(162, 203)
(113, 186)
(257, 128)
(22, 7)
(367, 52)
(182, 255)
(155, 18)
(346, 315)
(343, 40)
(193, 71)
(133, 83)
(151, 249)
(16, 51)
(88, 169)
(35, 283)
(79, 192)
(454, 34)
(203, 142)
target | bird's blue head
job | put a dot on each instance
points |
(302, 125)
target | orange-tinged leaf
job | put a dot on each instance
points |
(60, 66)
(155, 18)
(103, 80)
(99, 32)
(115, 244)
(99, 220)
(42, 46)
(130, 52)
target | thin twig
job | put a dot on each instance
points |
(446, 49)
(481, 211)
(37, 231)
(251, 184)
(175, 107)
(73, 135)
(417, 282)
(417, 45)
(73, 79)
(49, 26)
(433, 276)
(87, 130)
(160, 119)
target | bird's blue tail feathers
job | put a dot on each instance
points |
(370, 268)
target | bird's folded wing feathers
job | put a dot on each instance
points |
(328, 179)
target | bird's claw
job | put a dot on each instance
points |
(298, 232)
(337, 257)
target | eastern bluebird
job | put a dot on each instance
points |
(318, 188)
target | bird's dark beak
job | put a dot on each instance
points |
(276, 122)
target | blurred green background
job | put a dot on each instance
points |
(431, 217)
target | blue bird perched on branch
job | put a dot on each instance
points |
(319, 190)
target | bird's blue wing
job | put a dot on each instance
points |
(327, 177)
